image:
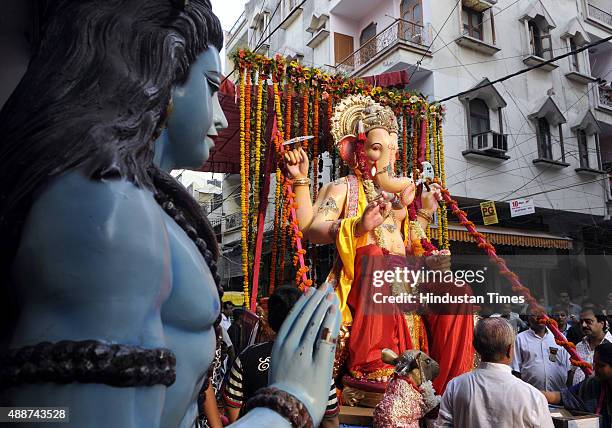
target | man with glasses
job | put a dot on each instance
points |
(594, 328)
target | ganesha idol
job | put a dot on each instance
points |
(366, 216)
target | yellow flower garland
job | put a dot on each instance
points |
(437, 174)
(277, 192)
(243, 195)
(428, 159)
(446, 242)
(258, 115)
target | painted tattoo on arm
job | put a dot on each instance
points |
(328, 205)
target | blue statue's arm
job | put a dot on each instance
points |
(93, 264)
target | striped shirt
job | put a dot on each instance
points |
(250, 372)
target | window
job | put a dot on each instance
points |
(539, 41)
(574, 57)
(544, 139)
(367, 43)
(583, 148)
(412, 20)
(479, 117)
(472, 23)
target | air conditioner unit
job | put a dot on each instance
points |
(490, 142)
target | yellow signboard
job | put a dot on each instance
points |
(489, 214)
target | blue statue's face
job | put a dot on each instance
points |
(197, 114)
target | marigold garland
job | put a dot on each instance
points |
(288, 113)
(404, 143)
(514, 280)
(415, 147)
(446, 241)
(305, 117)
(243, 194)
(258, 115)
(315, 145)
(277, 193)
(436, 166)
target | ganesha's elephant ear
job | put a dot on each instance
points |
(344, 124)
(346, 149)
(389, 357)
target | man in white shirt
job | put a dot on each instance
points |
(595, 330)
(226, 313)
(538, 360)
(490, 396)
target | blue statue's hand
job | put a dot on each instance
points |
(302, 361)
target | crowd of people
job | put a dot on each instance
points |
(522, 369)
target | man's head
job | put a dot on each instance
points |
(559, 314)
(280, 304)
(564, 297)
(532, 318)
(602, 362)
(228, 308)
(593, 323)
(494, 340)
(609, 315)
(505, 309)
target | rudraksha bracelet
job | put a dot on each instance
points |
(282, 403)
(88, 361)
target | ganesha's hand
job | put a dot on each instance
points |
(430, 198)
(372, 217)
(304, 350)
(296, 163)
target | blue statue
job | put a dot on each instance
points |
(109, 285)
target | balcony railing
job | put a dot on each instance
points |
(400, 30)
(233, 221)
(605, 96)
(490, 141)
(600, 15)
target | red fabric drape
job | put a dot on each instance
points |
(374, 327)
(393, 78)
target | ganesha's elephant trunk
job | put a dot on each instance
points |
(392, 184)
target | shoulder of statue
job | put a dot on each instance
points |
(75, 212)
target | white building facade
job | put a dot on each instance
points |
(546, 134)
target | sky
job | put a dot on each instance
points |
(228, 12)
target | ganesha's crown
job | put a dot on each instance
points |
(357, 111)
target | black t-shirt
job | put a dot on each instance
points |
(250, 373)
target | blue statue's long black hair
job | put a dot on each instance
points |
(93, 97)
